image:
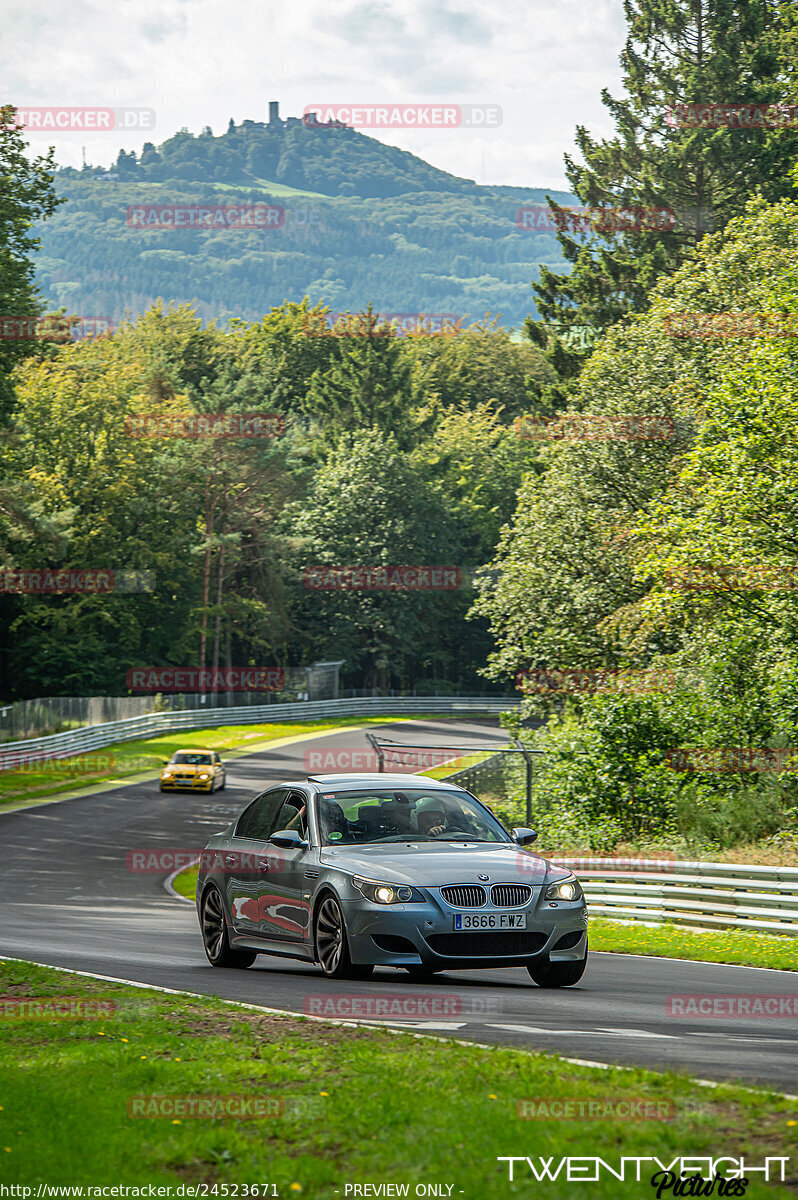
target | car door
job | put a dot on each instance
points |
(246, 857)
(284, 913)
(218, 771)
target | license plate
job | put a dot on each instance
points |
(463, 922)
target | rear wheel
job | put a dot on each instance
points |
(332, 948)
(214, 935)
(550, 974)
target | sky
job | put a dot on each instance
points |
(198, 63)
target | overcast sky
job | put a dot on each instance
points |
(200, 62)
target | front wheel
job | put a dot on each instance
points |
(214, 935)
(332, 948)
(557, 974)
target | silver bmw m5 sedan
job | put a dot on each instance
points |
(358, 871)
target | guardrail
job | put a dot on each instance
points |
(94, 737)
(705, 895)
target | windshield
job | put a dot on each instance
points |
(191, 760)
(411, 815)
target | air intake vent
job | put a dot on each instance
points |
(486, 945)
(465, 895)
(510, 895)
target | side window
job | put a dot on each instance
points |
(216, 758)
(293, 814)
(257, 821)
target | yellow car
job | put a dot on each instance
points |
(193, 771)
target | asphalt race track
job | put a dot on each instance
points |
(68, 899)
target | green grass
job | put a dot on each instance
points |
(134, 758)
(673, 941)
(360, 1105)
(186, 882)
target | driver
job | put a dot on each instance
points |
(434, 818)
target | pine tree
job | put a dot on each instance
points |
(678, 54)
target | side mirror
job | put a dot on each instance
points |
(524, 837)
(289, 839)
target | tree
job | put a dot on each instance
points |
(27, 196)
(678, 53)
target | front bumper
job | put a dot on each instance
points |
(421, 934)
(187, 785)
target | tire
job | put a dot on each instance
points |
(224, 782)
(214, 935)
(332, 948)
(558, 974)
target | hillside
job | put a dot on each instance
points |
(363, 222)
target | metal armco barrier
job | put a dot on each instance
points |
(94, 737)
(705, 895)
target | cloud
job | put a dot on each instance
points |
(198, 63)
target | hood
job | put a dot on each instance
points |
(431, 864)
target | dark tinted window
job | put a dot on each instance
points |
(257, 821)
(293, 814)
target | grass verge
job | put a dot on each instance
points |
(356, 1105)
(740, 946)
(126, 759)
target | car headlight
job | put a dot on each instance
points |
(204, 775)
(167, 773)
(382, 893)
(564, 889)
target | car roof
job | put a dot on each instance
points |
(195, 750)
(363, 781)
